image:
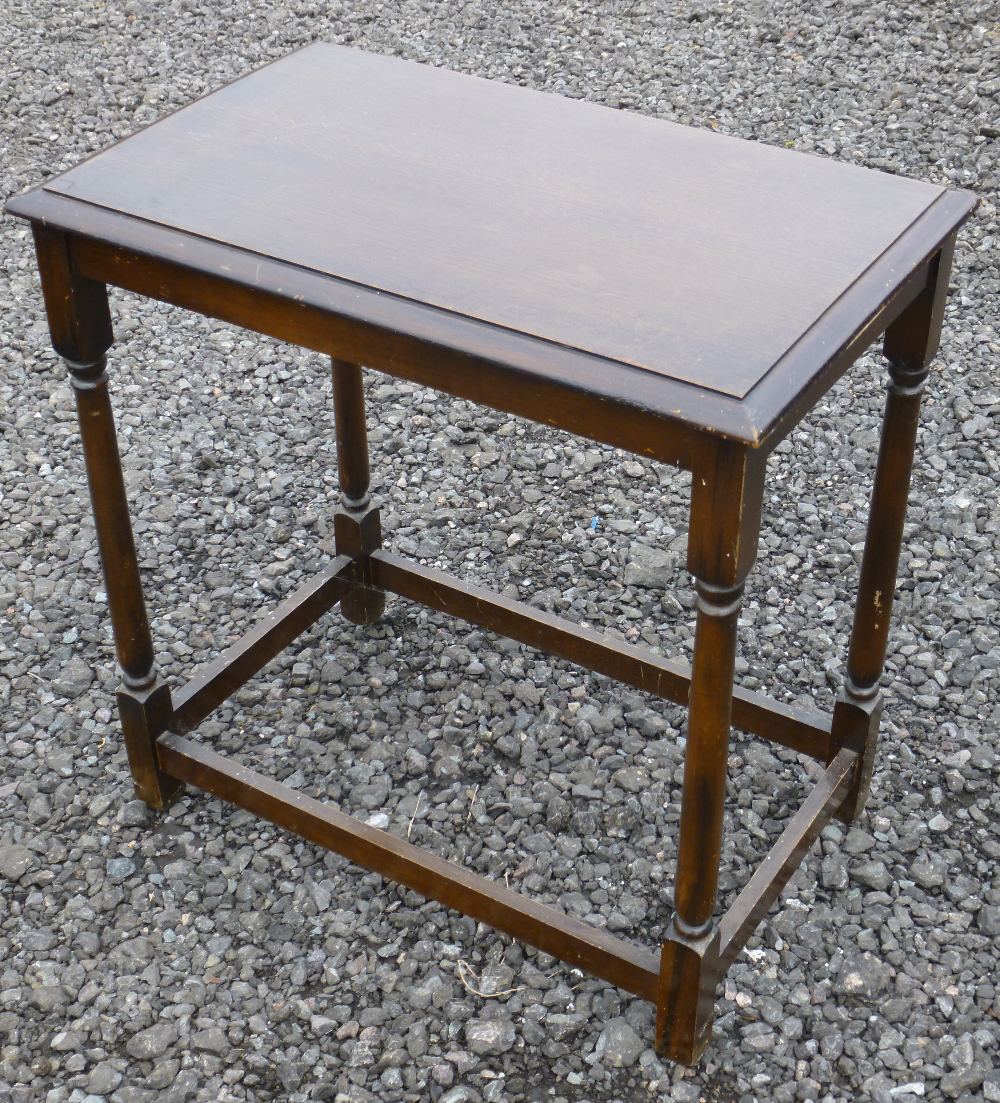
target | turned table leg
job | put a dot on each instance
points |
(910, 344)
(725, 520)
(80, 324)
(357, 526)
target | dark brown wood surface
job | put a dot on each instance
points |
(677, 250)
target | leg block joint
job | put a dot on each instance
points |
(690, 970)
(358, 533)
(145, 714)
(855, 726)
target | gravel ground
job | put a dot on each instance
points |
(204, 956)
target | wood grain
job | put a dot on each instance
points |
(680, 251)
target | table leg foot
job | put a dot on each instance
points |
(856, 720)
(146, 712)
(363, 605)
(690, 969)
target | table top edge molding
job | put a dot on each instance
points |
(855, 320)
(110, 247)
(758, 420)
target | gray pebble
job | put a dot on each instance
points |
(119, 869)
(152, 1042)
(103, 1079)
(210, 1040)
(15, 862)
(873, 875)
(489, 1036)
(74, 679)
(988, 920)
(863, 976)
(619, 1045)
(650, 568)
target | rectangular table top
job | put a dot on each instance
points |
(672, 251)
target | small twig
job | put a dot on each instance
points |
(464, 967)
(472, 801)
(414, 816)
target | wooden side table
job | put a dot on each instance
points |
(679, 294)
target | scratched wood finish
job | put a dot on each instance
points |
(650, 243)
